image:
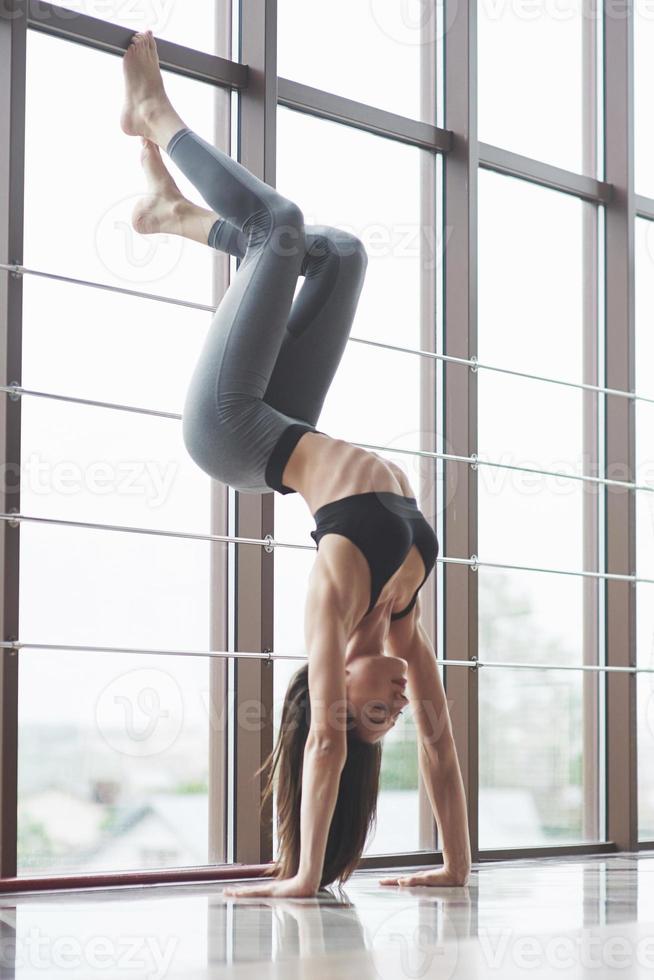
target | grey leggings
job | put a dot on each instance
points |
(268, 359)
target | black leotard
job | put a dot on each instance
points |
(384, 526)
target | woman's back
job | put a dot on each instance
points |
(329, 469)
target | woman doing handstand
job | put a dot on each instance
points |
(249, 420)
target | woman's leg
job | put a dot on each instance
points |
(319, 323)
(165, 210)
(311, 345)
(320, 320)
(321, 317)
(317, 331)
(227, 427)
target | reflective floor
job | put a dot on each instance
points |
(563, 917)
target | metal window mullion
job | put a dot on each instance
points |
(621, 769)
(512, 164)
(371, 119)
(219, 504)
(102, 35)
(460, 388)
(255, 512)
(427, 465)
(12, 189)
(591, 821)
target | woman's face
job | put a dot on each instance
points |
(375, 687)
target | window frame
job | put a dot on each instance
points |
(237, 836)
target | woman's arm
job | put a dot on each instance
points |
(326, 619)
(326, 748)
(439, 764)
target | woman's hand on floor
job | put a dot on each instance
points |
(438, 877)
(279, 888)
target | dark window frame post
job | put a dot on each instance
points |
(220, 554)
(592, 702)
(255, 512)
(620, 624)
(460, 206)
(13, 35)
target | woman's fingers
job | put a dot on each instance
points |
(431, 878)
(247, 892)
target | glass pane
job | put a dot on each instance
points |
(528, 518)
(643, 87)
(113, 747)
(644, 251)
(644, 430)
(78, 210)
(358, 407)
(531, 518)
(645, 693)
(645, 520)
(645, 523)
(372, 187)
(91, 464)
(531, 755)
(531, 80)
(397, 805)
(516, 621)
(109, 347)
(368, 50)
(192, 23)
(520, 528)
(531, 276)
(530, 424)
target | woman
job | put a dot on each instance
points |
(249, 420)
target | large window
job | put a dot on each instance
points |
(528, 102)
(534, 728)
(495, 162)
(114, 747)
(327, 43)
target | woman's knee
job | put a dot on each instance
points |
(278, 224)
(352, 247)
(288, 229)
(327, 244)
(347, 244)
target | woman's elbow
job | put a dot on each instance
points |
(329, 746)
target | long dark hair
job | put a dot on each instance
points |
(355, 812)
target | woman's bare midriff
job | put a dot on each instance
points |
(323, 469)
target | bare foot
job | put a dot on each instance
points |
(145, 95)
(160, 210)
